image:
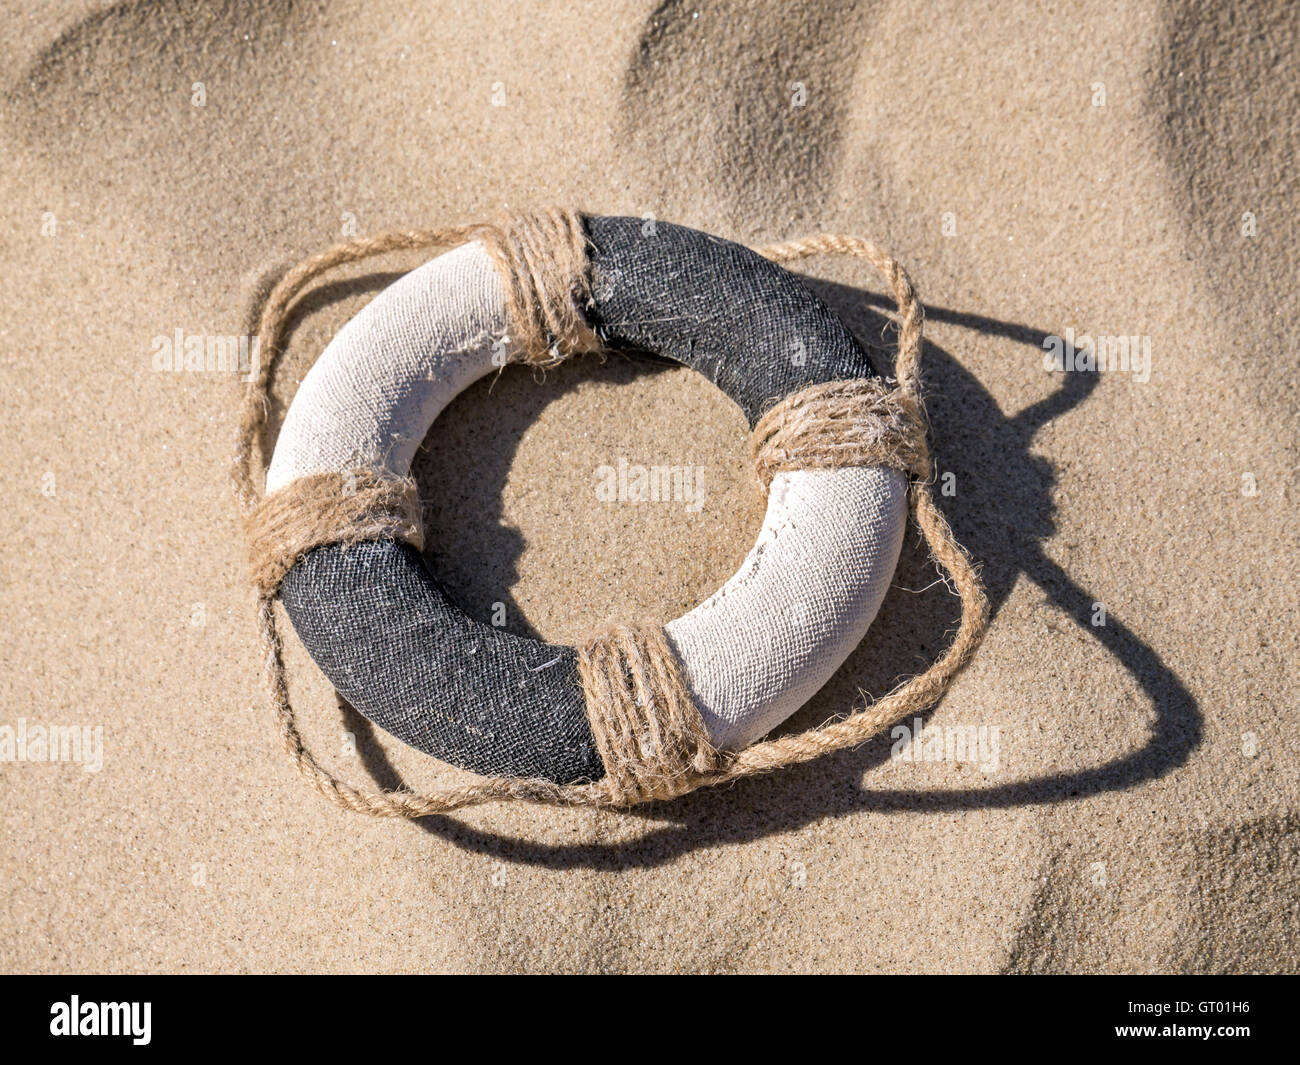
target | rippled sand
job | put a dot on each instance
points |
(1112, 175)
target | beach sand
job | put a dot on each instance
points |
(1106, 173)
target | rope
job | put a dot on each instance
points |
(841, 423)
(328, 508)
(647, 728)
(542, 257)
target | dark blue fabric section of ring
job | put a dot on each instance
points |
(750, 326)
(396, 646)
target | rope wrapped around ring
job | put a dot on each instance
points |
(841, 423)
(648, 731)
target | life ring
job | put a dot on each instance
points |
(401, 651)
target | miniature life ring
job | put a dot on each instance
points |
(401, 651)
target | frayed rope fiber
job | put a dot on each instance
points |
(328, 508)
(841, 423)
(648, 730)
(542, 257)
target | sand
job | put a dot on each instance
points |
(1145, 807)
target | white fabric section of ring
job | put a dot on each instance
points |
(757, 649)
(377, 387)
